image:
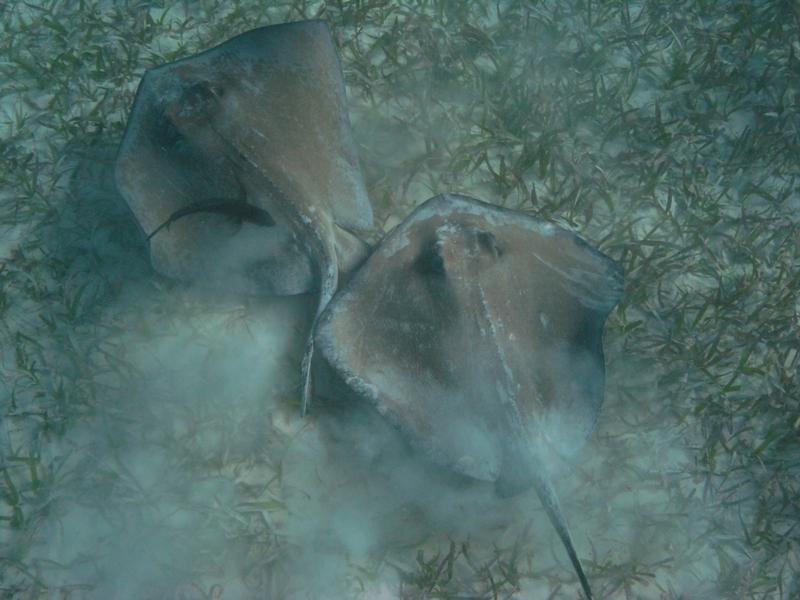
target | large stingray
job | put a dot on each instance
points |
(477, 331)
(255, 129)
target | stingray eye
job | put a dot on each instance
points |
(203, 92)
(488, 243)
(165, 133)
(430, 261)
(196, 104)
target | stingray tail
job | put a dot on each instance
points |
(320, 244)
(305, 373)
(329, 276)
(547, 494)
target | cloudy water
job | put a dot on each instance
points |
(151, 444)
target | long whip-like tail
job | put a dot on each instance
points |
(319, 241)
(547, 494)
(329, 281)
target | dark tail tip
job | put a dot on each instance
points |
(305, 377)
(547, 495)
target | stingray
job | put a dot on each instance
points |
(240, 166)
(477, 332)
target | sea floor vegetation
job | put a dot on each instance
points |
(150, 443)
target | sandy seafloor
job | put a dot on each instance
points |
(151, 444)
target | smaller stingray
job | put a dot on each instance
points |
(240, 166)
(477, 332)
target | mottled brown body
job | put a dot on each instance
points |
(477, 332)
(260, 120)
